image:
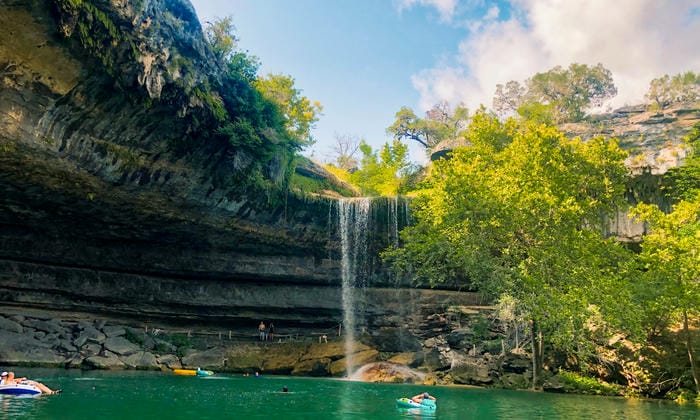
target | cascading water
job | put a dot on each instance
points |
(353, 215)
(361, 222)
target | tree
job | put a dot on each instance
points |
(671, 257)
(519, 214)
(569, 92)
(220, 35)
(670, 254)
(382, 173)
(345, 149)
(665, 90)
(441, 123)
(508, 97)
(300, 114)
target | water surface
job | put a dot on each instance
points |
(156, 395)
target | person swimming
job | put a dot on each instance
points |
(418, 399)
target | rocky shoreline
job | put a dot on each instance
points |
(79, 341)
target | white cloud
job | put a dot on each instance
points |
(446, 8)
(637, 40)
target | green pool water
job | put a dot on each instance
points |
(155, 395)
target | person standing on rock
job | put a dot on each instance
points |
(261, 330)
(271, 332)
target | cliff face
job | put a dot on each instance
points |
(100, 206)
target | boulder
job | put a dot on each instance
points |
(141, 360)
(244, 359)
(108, 361)
(120, 346)
(212, 358)
(388, 372)
(10, 325)
(113, 331)
(170, 361)
(92, 334)
(476, 372)
(47, 326)
(19, 348)
(515, 363)
(412, 359)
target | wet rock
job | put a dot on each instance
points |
(339, 367)
(388, 372)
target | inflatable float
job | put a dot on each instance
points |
(426, 405)
(193, 372)
(19, 389)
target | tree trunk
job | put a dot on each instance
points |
(537, 356)
(689, 347)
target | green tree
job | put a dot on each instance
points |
(382, 173)
(519, 214)
(300, 114)
(441, 123)
(220, 35)
(666, 90)
(671, 257)
(569, 92)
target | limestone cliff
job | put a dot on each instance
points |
(117, 197)
(113, 194)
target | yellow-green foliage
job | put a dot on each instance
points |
(574, 382)
(306, 185)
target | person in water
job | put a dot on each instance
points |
(418, 399)
(8, 378)
(284, 389)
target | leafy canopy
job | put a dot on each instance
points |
(300, 114)
(519, 214)
(441, 123)
(384, 172)
(682, 87)
(567, 93)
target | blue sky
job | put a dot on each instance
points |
(365, 59)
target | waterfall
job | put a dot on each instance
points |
(361, 223)
(353, 215)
